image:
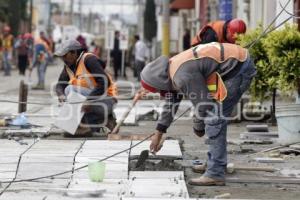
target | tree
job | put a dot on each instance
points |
(264, 82)
(277, 60)
(13, 12)
(4, 10)
(283, 50)
(150, 24)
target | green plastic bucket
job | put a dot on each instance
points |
(96, 171)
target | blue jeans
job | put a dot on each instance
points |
(41, 71)
(216, 121)
(6, 62)
(41, 66)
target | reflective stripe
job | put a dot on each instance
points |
(87, 78)
(212, 88)
(195, 52)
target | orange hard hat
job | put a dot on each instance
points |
(234, 27)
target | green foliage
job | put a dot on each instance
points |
(4, 10)
(13, 12)
(283, 50)
(150, 24)
(277, 60)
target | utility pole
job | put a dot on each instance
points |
(166, 28)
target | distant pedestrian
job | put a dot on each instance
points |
(186, 39)
(7, 41)
(140, 55)
(116, 55)
(41, 56)
(22, 48)
(82, 41)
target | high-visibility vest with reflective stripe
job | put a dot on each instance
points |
(84, 78)
(217, 51)
(217, 26)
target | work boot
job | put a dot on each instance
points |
(199, 168)
(111, 123)
(206, 181)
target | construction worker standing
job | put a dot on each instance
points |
(7, 49)
(84, 74)
(41, 56)
(213, 76)
(220, 31)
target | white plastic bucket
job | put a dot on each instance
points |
(288, 120)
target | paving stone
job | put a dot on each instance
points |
(170, 149)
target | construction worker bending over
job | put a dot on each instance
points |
(84, 74)
(213, 77)
(220, 31)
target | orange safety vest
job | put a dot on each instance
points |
(7, 42)
(217, 51)
(217, 26)
(84, 78)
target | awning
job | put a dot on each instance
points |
(183, 4)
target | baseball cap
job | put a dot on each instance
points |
(67, 46)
